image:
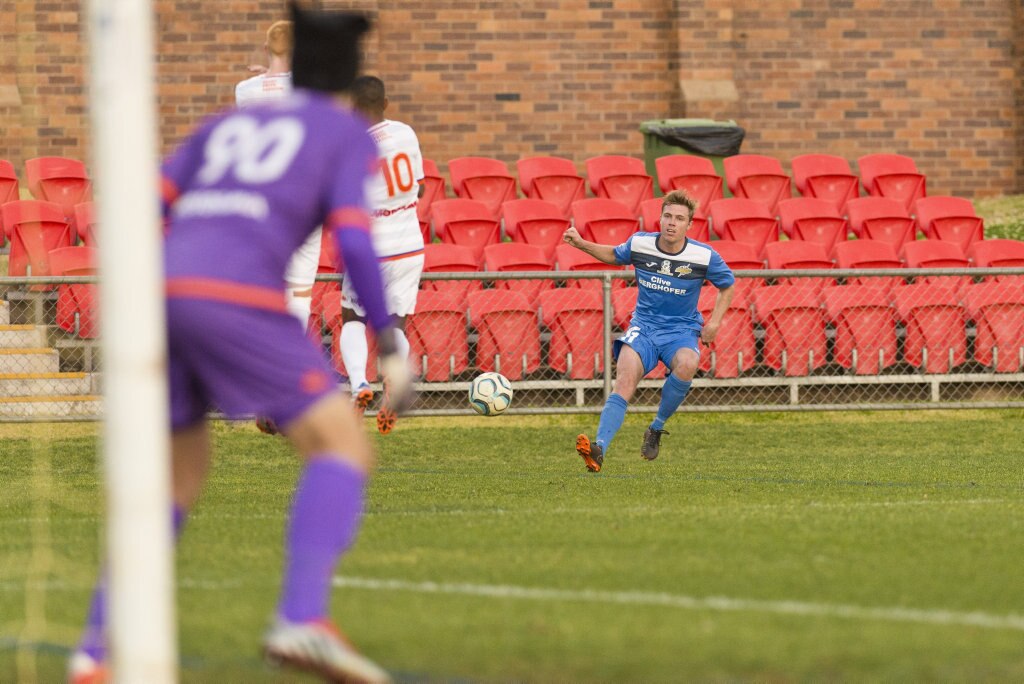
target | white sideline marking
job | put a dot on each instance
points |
(714, 603)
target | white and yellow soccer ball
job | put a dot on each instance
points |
(490, 394)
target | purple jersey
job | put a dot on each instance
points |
(250, 185)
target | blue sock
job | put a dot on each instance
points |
(612, 415)
(673, 392)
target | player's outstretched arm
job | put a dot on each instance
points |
(710, 330)
(605, 253)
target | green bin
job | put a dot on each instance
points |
(700, 137)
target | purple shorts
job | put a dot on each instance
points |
(241, 360)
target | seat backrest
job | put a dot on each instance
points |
(74, 261)
(605, 165)
(515, 256)
(935, 253)
(553, 179)
(593, 209)
(483, 178)
(555, 302)
(673, 166)
(910, 298)
(623, 303)
(516, 211)
(448, 211)
(8, 182)
(796, 208)
(709, 295)
(650, 214)
(872, 166)
(725, 210)
(739, 165)
(62, 180)
(806, 166)
(797, 254)
(484, 303)
(461, 168)
(433, 188)
(866, 254)
(840, 298)
(444, 257)
(864, 209)
(531, 168)
(996, 252)
(949, 218)
(992, 293)
(770, 300)
(85, 223)
(738, 255)
(744, 219)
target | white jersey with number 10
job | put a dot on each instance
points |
(393, 192)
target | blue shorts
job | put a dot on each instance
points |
(241, 360)
(654, 345)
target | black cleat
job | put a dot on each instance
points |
(652, 443)
(593, 454)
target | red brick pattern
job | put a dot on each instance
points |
(940, 82)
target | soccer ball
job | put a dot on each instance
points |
(490, 394)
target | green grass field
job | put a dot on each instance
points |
(759, 547)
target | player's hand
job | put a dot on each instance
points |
(708, 333)
(572, 236)
(256, 69)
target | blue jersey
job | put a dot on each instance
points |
(670, 283)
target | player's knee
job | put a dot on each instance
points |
(686, 367)
(330, 428)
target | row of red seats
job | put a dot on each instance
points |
(794, 322)
(748, 176)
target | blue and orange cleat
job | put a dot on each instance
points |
(593, 454)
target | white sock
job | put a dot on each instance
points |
(299, 306)
(354, 353)
(402, 342)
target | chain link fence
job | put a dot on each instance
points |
(791, 340)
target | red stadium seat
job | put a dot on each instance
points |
(650, 213)
(573, 315)
(438, 344)
(445, 258)
(794, 328)
(433, 190)
(620, 178)
(466, 222)
(869, 254)
(998, 253)
(997, 309)
(894, 176)
(740, 256)
(826, 177)
(509, 339)
(328, 263)
(77, 303)
(483, 179)
(8, 182)
(604, 221)
(880, 218)
(759, 178)
(535, 222)
(734, 349)
(60, 180)
(949, 218)
(34, 229)
(865, 326)
(568, 258)
(553, 179)
(85, 222)
(623, 304)
(515, 256)
(798, 254)
(814, 220)
(936, 339)
(694, 175)
(744, 220)
(936, 254)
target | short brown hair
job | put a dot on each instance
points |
(680, 197)
(280, 37)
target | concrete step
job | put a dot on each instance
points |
(84, 405)
(29, 360)
(22, 336)
(45, 384)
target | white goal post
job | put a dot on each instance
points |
(135, 437)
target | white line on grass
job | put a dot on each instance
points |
(713, 603)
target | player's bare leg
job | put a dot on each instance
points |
(323, 522)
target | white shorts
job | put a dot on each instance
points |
(302, 268)
(401, 283)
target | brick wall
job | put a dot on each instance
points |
(939, 81)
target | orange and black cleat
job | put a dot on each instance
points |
(386, 418)
(362, 399)
(593, 454)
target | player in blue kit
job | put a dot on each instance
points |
(242, 194)
(666, 325)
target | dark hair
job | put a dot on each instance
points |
(326, 54)
(368, 94)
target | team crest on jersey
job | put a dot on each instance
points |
(683, 270)
(666, 267)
